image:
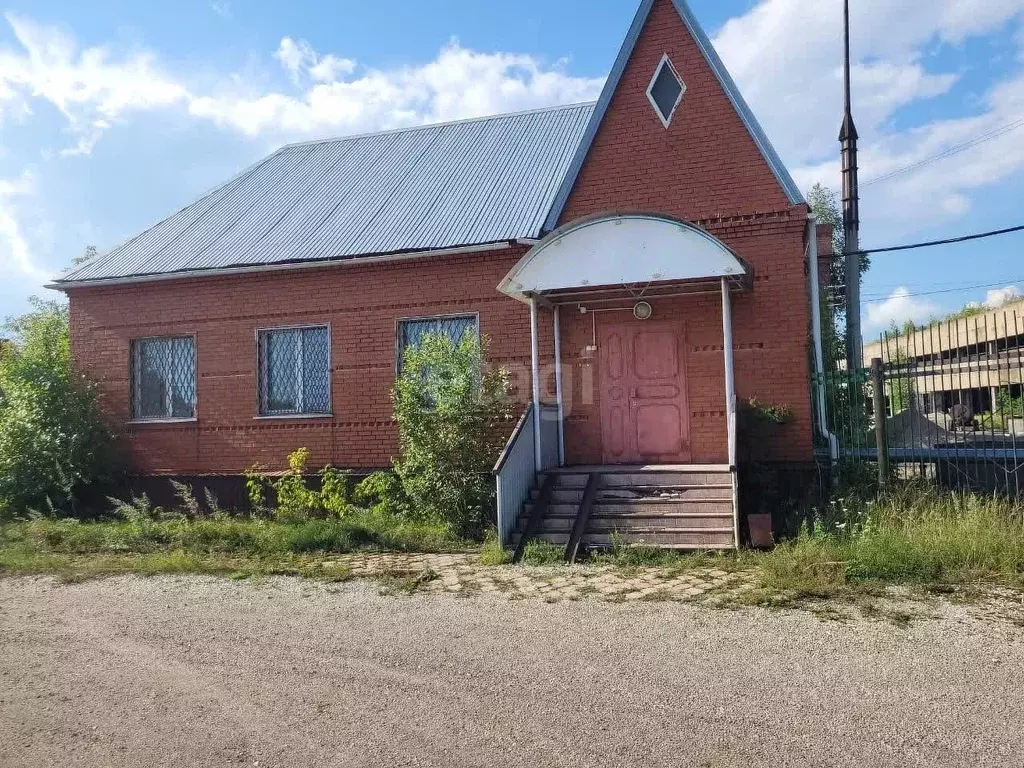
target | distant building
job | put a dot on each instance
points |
(965, 361)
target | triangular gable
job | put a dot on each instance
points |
(715, 64)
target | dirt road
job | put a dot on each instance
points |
(189, 671)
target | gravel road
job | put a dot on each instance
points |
(189, 671)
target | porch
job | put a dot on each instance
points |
(651, 484)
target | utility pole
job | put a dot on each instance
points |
(851, 212)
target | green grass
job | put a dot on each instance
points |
(543, 553)
(913, 535)
(627, 558)
(492, 553)
(359, 532)
(80, 567)
(232, 547)
(935, 542)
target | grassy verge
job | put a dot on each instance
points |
(914, 536)
(80, 567)
(931, 541)
(230, 546)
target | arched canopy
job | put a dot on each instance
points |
(616, 249)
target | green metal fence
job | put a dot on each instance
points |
(943, 401)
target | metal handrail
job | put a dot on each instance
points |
(510, 443)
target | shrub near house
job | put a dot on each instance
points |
(54, 439)
(453, 414)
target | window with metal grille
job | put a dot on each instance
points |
(164, 378)
(295, 371)
(412, 331)
(666, 90)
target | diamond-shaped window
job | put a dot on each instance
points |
(666, 90)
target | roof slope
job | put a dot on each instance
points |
(437, 186)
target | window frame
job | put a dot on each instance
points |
(133, 385)
(665, 61)
(399, 350)
(262, 377)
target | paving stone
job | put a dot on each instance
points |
(458, 573)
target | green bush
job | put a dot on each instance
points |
(295, 501)
(382, 492)
(54, 439)
(452, 411)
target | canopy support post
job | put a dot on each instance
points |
(558, 387)
(730, 406)
(730, 383)
(535, 376)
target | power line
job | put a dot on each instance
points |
(948, 152)
(930, 243)
(1001, 283)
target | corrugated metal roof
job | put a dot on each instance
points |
(439, 186)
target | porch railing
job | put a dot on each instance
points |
(516, 469)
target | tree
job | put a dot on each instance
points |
(900, 389)
(451, 410)
(88, 255)
(54, 439)
(844, 391)
(825, 206)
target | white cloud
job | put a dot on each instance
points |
(996, 297)
(293, 55)
(299, 60)
(222, 8)
(458, 83)
(89, 86)
(16, 257)
(782, 51)
(94, 89)
(329, 68)
(898, 308)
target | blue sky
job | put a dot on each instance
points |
(115, 114)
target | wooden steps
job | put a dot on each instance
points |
(658, 506)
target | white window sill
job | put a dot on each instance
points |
(135, 422)
(280, 416)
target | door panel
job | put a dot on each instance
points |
(644, 416)
(655, 354)
(658, 430)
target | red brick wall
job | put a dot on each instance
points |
(705, 168)
(362, 304)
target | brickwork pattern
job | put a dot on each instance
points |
(464, 575)
(704, 168)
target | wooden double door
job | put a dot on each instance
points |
(642, 384)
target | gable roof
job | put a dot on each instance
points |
(485, 180)
(415, 190)
(757, 133)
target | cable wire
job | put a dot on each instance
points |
(948, 152)
(930, 243)
(1001, 283)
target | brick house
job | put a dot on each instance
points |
(639, 264)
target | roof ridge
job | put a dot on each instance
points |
(425, 126)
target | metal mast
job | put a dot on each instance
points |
(851, 211)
